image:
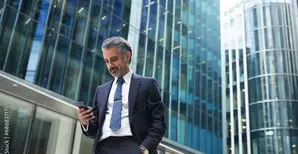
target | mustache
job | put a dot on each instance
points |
(112, 69)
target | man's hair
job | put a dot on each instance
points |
(117, 42)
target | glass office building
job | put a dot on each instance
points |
(56, 45)
(260, 90)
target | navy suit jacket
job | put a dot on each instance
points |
(145, 108)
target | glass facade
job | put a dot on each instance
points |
(179, 45)
(56, 44)
(261, 100)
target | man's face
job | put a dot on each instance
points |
(117, 62)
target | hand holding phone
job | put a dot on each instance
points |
(84, 113)
(81, 105)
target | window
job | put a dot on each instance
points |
(18, 44)
(51, 132)
(17, 114)
(59, 63)
(73, 71)
(6, 33)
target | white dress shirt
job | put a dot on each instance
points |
(125, 127)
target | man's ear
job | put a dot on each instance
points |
(128, 56)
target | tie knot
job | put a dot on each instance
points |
(120, 80)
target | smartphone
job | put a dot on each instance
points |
(82, 105)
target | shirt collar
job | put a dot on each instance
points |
(126, 77)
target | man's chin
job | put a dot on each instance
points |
(115, 74)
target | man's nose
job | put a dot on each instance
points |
(110, 65)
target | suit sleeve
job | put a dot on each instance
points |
(93, 124)
(157, 123)
(85, 128)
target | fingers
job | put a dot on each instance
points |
(87, 119)
(85, 116)
(90, 118)
(83, 111)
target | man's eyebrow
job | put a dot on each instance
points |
(111, 58)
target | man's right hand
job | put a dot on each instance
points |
(85, 116)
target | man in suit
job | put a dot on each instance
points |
(130, 115)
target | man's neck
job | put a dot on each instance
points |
(126, 71)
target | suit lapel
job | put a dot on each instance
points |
(104, 96)
(133, 91)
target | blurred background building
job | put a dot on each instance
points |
(260, 77)
(50, 51)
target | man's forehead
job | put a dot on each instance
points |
(113, 49)
(111, 57)
(111, 54)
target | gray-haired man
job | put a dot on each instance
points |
(130, 115)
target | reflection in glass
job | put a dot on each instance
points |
(125, 29)
(34, 48)
(104, 27)
(19, 115)
(55, 13)
(118, 7)
(72, 71)
(197, 126)
(141, 54)
(274, 141)
(203, 132)
(143, 26)
(189, 126)
(42, 11)
(95, 21)
(149, 57)
(14, 3)
(126, 11)
(58, 66)
(81, 21)
(5, 34)
(46, 58)
(68, 17)
(182, 125)
(17, 44)
(51, 133)
(28, 6)
(174, 125)
(116, 26)
(86, 77)
(159, 64)
(152, 21)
